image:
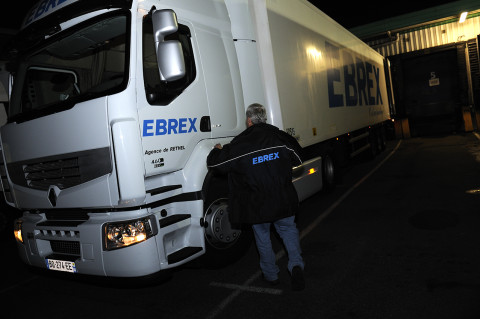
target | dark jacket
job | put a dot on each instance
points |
(259, 165)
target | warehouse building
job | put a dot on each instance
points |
(434, 56)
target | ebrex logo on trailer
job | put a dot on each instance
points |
(360, 83)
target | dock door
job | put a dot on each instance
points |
(432, 89)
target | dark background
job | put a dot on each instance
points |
(348, 15)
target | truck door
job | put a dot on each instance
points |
(173, 115)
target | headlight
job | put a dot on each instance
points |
(123, 234)
(17, 230)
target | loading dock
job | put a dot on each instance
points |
(435, 67)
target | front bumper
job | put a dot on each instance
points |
(80, 238)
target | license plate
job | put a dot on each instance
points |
(61, 265)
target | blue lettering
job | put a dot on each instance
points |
(168, 126)
(172, 126)
(361, 83)
(333, 75)
(40, 9)
(377, 79)
(30, 16)
(371, 99)
(147, 125)
(265, 158)
(192, 125)
(351, 95)
(182, 126)
(51, 4)
(161, 127)
(356, 84)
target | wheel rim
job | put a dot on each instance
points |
(218, 230)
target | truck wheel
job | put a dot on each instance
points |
(224, 244)
(219, 233)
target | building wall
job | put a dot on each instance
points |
(407, 47)
(427, 37)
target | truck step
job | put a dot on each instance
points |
(164, 222)
(182, 254)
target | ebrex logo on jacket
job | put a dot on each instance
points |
(265, 158)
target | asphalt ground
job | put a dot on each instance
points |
(397, 238)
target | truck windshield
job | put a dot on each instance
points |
(84, 63)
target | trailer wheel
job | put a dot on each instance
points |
(328, 172)
(224, 243)
(372, 140)
(383, 138)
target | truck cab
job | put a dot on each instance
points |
(105, 146)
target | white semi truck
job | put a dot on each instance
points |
(115, 105)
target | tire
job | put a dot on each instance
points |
(373, 150)
(224, 243)
(329, 173)
(383, 138)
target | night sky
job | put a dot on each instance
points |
(354, 14)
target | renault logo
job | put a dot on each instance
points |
(53, 192)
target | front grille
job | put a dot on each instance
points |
(63, 171)
(55, 233)
(65, 247)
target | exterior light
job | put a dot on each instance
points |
(123, 234)
(463, 17)
(17, 230)
(314, 53)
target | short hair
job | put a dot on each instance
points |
(257, 113)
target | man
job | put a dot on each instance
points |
(259, 165)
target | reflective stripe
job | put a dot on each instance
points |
(265, 149)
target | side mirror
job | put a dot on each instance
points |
(170, 60)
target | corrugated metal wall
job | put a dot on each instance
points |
(438, 35)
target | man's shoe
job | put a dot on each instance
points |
(271, 282)
(298, 282)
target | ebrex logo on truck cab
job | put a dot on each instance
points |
(44, 8)
(358, 79)
(169, 126)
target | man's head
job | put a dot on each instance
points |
(256, 114)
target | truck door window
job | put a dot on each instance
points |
(162, 92)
